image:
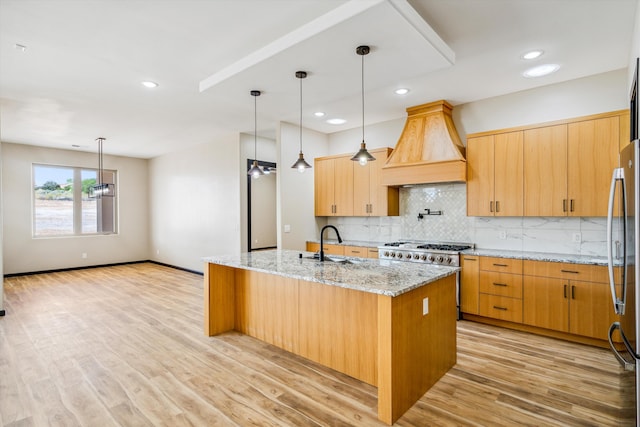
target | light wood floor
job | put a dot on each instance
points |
(125, 346)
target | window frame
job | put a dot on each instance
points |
(77, 202)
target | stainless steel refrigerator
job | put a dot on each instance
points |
(623, 226)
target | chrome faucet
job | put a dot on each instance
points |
(322, 240)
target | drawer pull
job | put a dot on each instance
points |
(355, 252)
(470, 259)
(573, 292)
(500, 265)
(500, 308)
(500, 284)
(565, 291)
(570, 271)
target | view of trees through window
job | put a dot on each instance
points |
(62, 205)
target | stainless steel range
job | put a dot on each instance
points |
(434, 253)
(440, 253)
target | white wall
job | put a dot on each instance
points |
(378, 135)
(23, 253)
(1, 240)
(195, 203)
(295, 189)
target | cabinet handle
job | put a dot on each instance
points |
(355, 252)
(500, 308)
(491, 206)
(497, 206)
(573, 292)
(500, 265)
(500, 284)
(470, 259)
(565, 291)
(564, 205)
(570, 271)
(571, 205)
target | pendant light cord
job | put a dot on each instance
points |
(362, 79)
(255, 128)
(301, 114)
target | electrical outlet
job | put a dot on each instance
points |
(287, 228)
(84, 255)
(425, 306)
(577, 237)
(157, 251)
(502, 235)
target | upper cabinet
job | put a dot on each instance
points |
(494, 175)
(345, 188)
(560, 169)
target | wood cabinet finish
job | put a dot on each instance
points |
(329, 249)
(333, 186)
(469, 284)
(503, 265)
(500, 290)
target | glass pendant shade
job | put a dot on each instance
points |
(363, 156)
(101, 189)
(255, 171)
(301, 164)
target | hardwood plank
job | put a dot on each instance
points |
(124, 346)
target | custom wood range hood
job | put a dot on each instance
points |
(429, 149)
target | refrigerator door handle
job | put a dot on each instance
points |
(628, 365)
(618, 175)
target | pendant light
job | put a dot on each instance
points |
(101, 189)
(255, 171)
(301, 164)
(363, 156)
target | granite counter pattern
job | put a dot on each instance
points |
(391, 278)
(538, 256)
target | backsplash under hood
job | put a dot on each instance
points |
(429, 149)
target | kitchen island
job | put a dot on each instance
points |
(390, 324)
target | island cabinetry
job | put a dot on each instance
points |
(333, 186)
(565, 297)
(469, 284)
(345, 188)
(501, 288)
(370, 197)
(494, 175)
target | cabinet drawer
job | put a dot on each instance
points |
(504, 265)
(357, 251)
(563, 270)
(333, 250)
(503, 284)
(372, 252)
(503, 308)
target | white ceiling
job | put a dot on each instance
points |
(79, 77)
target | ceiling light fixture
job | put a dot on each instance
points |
(363, 156)
(401, 91)
(319, 114)
(541, 70)
(301, 164)
(149, 84)
(532, 54)
(20, 47)
(101, 189)
(255, 171)
(336, 121)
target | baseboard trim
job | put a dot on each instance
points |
(59, 270)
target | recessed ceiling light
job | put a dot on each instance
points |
(149, 84)
(318, 114)
(533, 54)
(401, 91)
(541, 70)
(336, 121)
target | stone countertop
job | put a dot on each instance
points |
(363, 243)
(539, 256)
(391, 278)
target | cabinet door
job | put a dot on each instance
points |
(545, 171)
(362, 187)
(333, 249)
(592, 153)
(343, 186)
(546, 303)
(480, 176)
(383, 200)
(372, 252)
(323, 187)
(590, 309)
(356, 251)
(469, 284)
(508, 174)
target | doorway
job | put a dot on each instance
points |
(261, 209)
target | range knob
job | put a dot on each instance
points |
(440, 258)
(386, 253)
(399, 255)
(416, 256)
(431, 258)
(447, 260)
(393, 254)
(423, 257)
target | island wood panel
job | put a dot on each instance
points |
(219, 299)
(407, 339)
(266, 308)
(338, 328)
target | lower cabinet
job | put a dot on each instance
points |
(469, 284)
(329, 249)
(569, 298)
(355, 251)
(501, 288)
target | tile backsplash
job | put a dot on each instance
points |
(580, 236)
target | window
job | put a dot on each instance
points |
(61, 203)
